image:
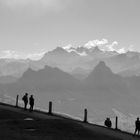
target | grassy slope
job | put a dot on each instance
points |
(45, 127)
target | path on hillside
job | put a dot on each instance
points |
(91, 127)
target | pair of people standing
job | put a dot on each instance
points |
(31, 101)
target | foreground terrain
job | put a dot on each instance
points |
(17, 124)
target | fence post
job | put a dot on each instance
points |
(85, 115)
(50, 107)
(116, 123)
(17, 100)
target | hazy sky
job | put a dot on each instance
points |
(34, 26)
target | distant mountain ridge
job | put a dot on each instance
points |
(87, 58)
(50, 78)
(71, 59)
(45, 79)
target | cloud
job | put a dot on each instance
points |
(9, 54)
(36, 56)
(95, 43)
(111, 47)
(18, 55)
(115, 47)
(68, 47)
(104, 45)
(35, 5)
(13, 3)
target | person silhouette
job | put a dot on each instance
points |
(25, 100)
(108, 123)
(31, 102)
(137, 126)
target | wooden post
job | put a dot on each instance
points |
(116, 123)
(50, 107)
(17, 100)
(85, 115)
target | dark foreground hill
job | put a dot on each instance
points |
(17, 124)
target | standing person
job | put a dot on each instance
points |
(31, 102)
(25, 100)
(137, 125)
(108, 123)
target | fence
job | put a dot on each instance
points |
(117, 122)
(85, 120)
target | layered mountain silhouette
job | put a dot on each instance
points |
(72, 59)
(66, 61)
(47, 79)
(124, 62)
(102, 75)
(50, 78)
(100, 90)
(103, 84)
(100, 80)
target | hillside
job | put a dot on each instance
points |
(20, 124)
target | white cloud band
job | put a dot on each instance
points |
(17, 55)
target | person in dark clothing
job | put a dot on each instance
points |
(108, 123)
(25, 100)
(137, 125)
(31, 102)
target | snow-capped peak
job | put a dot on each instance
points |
(102, 45)
(69, 48)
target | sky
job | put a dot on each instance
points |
(32, 27)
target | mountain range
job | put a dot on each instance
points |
(76, 78)
(100, 91)
(78, 62)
